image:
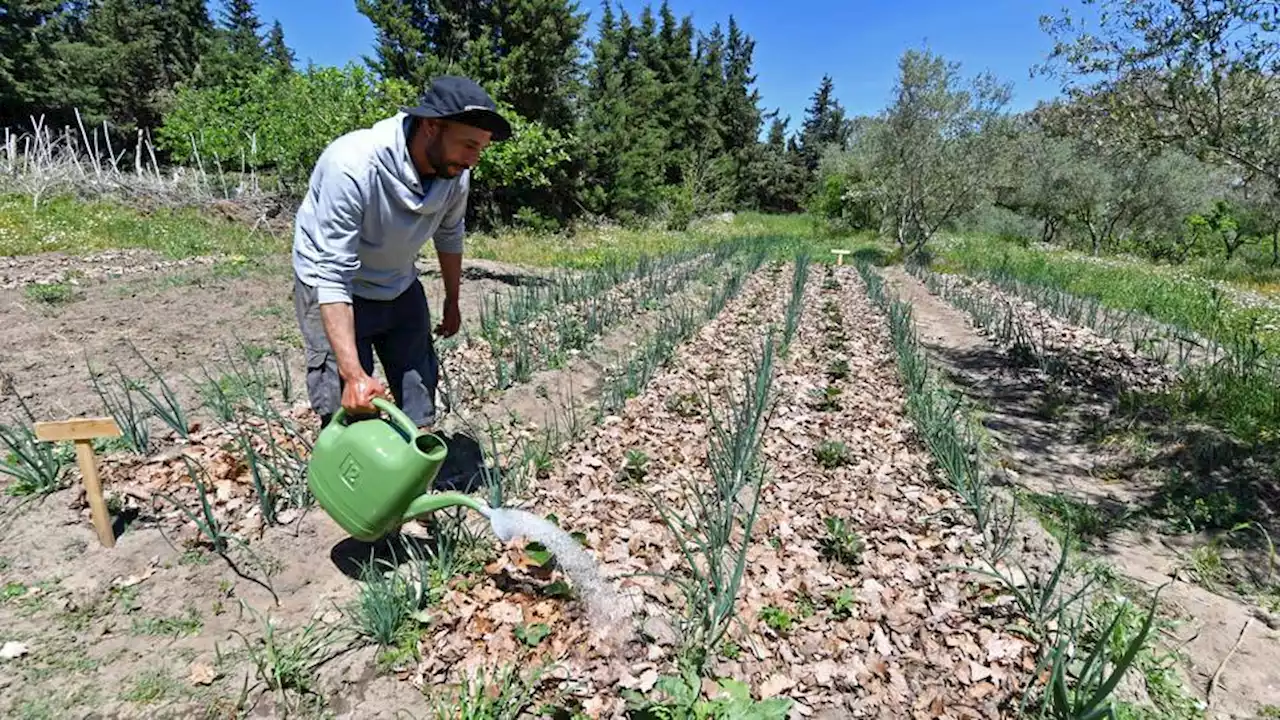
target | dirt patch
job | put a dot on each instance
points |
(152, 624)
(75, 270)
(1037, 438)
(179, 324)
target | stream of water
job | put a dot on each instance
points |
(605, 606)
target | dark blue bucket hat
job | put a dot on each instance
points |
(462, 100)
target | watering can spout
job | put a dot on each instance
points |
(426, 504)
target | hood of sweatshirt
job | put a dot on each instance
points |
(397, 174)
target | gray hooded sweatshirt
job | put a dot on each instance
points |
(366, 215)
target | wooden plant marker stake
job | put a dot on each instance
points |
(840, 256)
(83, 431)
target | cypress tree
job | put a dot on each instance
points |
(27, 37)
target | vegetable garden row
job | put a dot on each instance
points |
(793, 515)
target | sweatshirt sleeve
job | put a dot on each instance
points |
(339, 214)
(448, 237)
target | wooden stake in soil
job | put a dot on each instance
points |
(840, 256)
(83, 431)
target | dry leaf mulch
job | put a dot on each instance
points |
(160, 490)
(473, 365)
(890, 633)
(48, 268)
(1086, 357)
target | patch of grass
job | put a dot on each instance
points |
(488, 694)
(1070, 520)
(1188, 506)
(64, 224)
(1178, 299)
(285, 661)
(54, 293)
(189, 623)
(151, 687)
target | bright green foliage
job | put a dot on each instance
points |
(281, 122)
(518, 173)
(681, 697)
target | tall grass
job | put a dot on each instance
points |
(1229, 371)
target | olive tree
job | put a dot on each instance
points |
(1200, 75)
(932, 148)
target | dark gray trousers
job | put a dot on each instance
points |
(398, 330)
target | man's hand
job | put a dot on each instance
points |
(358, 394)
(358, 387)
(451, 320)
(451, 273)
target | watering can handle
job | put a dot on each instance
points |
(397, 415)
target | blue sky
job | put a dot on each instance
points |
(857, 42)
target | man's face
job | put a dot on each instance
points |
(453, 147)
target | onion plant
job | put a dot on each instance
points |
(715, 531)
(1056, 606)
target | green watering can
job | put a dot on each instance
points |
(372, 475)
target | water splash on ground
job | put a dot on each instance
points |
(606, 608)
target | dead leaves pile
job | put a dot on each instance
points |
(16, 272)
(160, 488)
(1086, 357)
(872, 621)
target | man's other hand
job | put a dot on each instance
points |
(358, 395)
(451, 320)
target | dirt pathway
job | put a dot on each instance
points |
(180, 322)
(1043, 455)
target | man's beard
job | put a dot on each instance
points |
(435, 156)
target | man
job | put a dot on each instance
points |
(375, 195)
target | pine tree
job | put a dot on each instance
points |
(824, 125)
(237, 51)
(402, 46)
(707, 129)
(740, 116)
(537, 44)
(278, 53)
(679, 101)
(26, 47)
(621, 137)
(523, 51)
(604, 106)
(244, 33)
(188, 36)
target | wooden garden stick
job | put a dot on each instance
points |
(83, 431)
(840, 256)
